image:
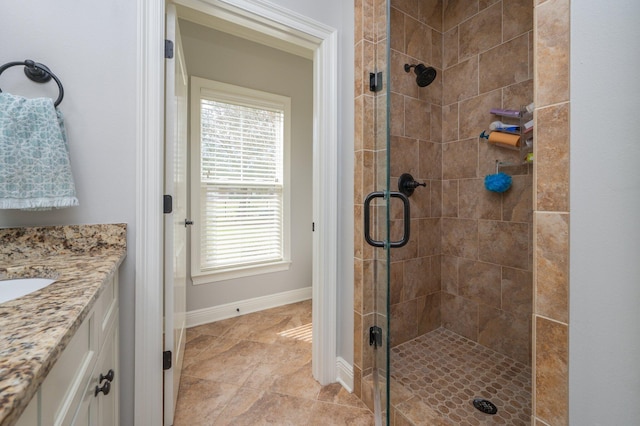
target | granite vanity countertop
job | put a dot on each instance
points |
(36, 328)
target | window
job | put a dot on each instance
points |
(240, 140)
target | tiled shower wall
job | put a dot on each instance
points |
(486, 236)
(488, 246)
(551, 214)
(468, 264)
(364, 176)
(416, 148)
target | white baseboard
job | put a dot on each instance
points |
(345, 374)
(230, 310)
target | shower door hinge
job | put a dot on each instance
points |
(166, 360)
(168, 49)
(375, 337)
(375, 81)
(167, 204)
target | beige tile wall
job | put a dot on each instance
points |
(486, 237)
(416, 148)
(367, 26)
(551, 215)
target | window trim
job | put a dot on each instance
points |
(220, 91)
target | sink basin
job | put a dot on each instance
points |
(14, 288)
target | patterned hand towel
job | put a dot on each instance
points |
(35, 172)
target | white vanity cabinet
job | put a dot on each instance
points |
(82, 387)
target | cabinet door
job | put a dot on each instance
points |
(101, 408)
(62, 390)
(108, 409)
(30, 415)
(87, 412)
(106, 308)
(68, 394)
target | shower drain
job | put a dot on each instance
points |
(485, 406)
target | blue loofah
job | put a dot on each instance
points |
(500, 182)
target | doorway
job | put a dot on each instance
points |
(288, 32)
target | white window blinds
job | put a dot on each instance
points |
(241, 184)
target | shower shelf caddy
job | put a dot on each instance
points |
(525, 144)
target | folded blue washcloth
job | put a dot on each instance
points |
(35, 172)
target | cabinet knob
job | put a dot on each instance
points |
(105, 389)
(109, 377)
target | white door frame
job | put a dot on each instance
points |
(291, 29)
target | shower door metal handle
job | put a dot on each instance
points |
(406, 219)
(406, 216)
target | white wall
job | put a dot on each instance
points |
(222, 57)
(604, 331)
(339, 14)
(91, 47)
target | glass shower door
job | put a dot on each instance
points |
(377, 215)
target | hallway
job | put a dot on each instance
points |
(255, 369)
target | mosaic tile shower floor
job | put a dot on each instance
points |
(443, 372)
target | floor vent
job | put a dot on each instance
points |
(485, 406)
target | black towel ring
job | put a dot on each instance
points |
(37, 72)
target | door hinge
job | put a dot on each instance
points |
(167, 204)
(313, 227)
(166, 360)
(375, 81)
(375, 337)
(168, 49)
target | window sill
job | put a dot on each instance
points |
(241, 272)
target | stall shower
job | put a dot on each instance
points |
(456, 300)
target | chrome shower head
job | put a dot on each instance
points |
(424, 75)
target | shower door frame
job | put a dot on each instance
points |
(379, 333)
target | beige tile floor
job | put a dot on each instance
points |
(255, 369)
